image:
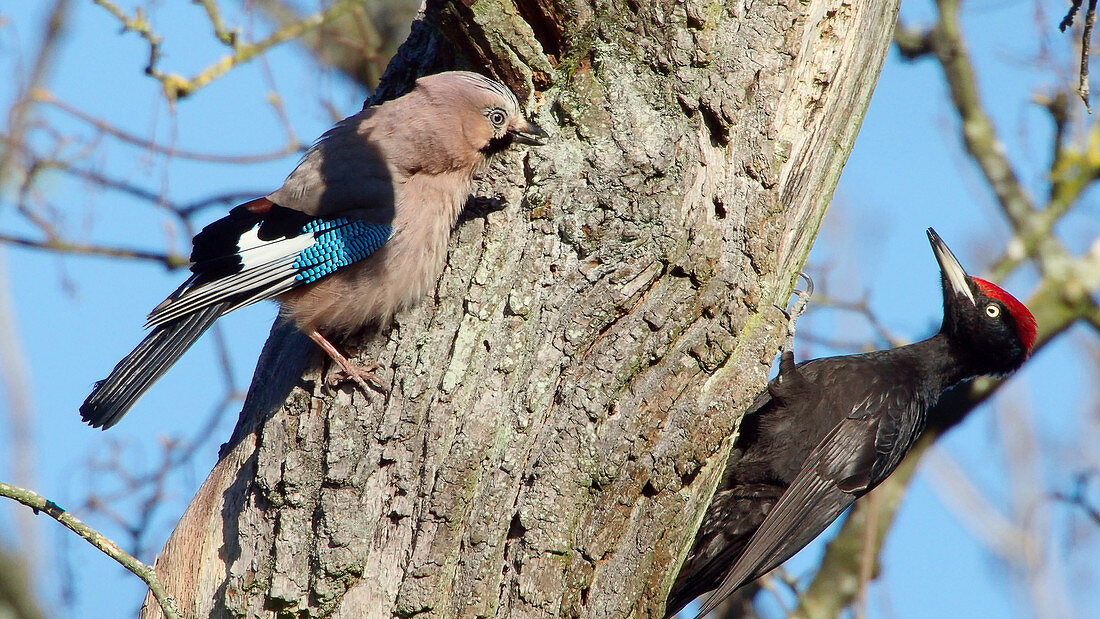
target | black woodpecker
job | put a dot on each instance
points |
(827, 431)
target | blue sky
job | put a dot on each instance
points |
(77, 316)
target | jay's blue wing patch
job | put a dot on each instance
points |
(247, 257)
(337, 243)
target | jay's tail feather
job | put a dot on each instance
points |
(132, 377)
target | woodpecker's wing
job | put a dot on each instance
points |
(738, 507)
(806, 509)
(261, 250)
(857, 454)
(732, 518)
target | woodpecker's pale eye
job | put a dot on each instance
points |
(992, 310)
(496, 117)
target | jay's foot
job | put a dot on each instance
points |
(363, 376)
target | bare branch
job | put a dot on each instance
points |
(293, 144)
(221, 32)
(143, 571)
(1067, 21)
(862, 307)
(1086, 35)
(176, 86)
(139, 24)
(911, 42)
(978, 131)
(171, 261)
(1079, 496)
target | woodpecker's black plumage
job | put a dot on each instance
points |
(827, 431)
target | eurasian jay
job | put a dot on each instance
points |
(357, 232)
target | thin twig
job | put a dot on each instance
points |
(14, 366)
(979, 134)
(139, 24)
(171, 261)
(1086, 36)
(1067, 21)
(1078, 498)
(861, 307)
(176, 86)
(19, 116)
(140, 569)
(221, 32)
(293, 144)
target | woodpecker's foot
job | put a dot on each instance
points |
(363, 376)
(802, 299)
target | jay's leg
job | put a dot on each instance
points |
(361, 375)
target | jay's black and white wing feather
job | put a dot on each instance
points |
(258, 251)
(247, 257)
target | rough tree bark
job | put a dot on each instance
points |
(561, 409)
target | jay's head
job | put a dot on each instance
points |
(463, 118)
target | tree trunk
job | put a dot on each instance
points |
(560, 410)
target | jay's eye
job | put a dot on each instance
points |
(496, 117)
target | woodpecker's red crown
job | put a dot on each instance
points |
(1025, 321)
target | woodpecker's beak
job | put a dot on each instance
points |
(953, 273)
(531, 134)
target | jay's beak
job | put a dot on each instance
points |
(953, 273)
(530, 134)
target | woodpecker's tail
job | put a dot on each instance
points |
(132, 377)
